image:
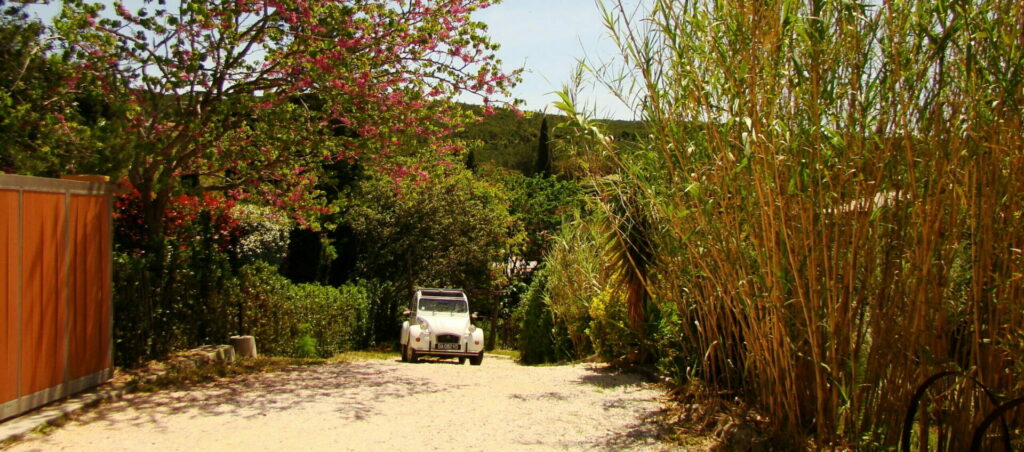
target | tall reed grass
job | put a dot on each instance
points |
(835, 190)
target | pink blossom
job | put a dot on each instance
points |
(346, 43)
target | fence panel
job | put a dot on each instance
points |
(90, 316)
(43, 292)
(56, 284)
(9, 315)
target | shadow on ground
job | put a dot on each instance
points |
(252, 396)
(607, 378)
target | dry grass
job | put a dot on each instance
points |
(513, 354)
(363, 355)
(700, 419)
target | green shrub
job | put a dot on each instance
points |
(673, 360)
(169, 302)
(382, 318)
(300, 320)
(574, 277)
(333, 317)
(265, 234)
(609, 328)
(540, 339)
(187, 296)
(305, 346)
(262, 308)
(534, 317)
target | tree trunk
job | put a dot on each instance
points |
(636, 301)
(153, 245)
(492, 340)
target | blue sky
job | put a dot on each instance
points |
(546, 38)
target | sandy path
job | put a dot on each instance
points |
(380, 405)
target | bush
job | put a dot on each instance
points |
(333, 317)
(672, 359)
(574, 277)
(609, 328)
(168, 290)
(169, 302)
(540, 341)
(305, 346)
(187, 290)
(382, 319)
(535, 345)
(196, 299)
(299, 320)
(264, 236)
(260, 297)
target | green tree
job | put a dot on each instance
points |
(540, 205)
(471, 160)
(48, 114)
(253, 95)
(543, 166)
(438, 228)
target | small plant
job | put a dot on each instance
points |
(305, 346)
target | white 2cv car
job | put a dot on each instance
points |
(439, 325)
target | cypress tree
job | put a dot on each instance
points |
(471, 161)
(543, 167)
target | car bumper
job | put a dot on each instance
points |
(427, 349)
(446, 353)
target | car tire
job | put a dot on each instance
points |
(411, 357)
(462, 360)
(401, 347)
(476, 360)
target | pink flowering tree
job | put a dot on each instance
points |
(252, 96)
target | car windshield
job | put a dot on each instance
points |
(443, 305)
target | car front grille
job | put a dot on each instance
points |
(448, 338)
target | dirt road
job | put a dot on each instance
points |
(382, 405)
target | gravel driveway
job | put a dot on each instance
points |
(382, 405)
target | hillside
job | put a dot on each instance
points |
(508, 140)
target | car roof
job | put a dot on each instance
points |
(453, 293)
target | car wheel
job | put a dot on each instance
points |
(412, 358)
(402, 348)
(476, 360)
(462, 360)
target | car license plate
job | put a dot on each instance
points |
(446, 346)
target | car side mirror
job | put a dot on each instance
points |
(406, 312)
(474, 316)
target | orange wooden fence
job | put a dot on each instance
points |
(55, 280)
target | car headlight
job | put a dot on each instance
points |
(472, 328)
(424, 327)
